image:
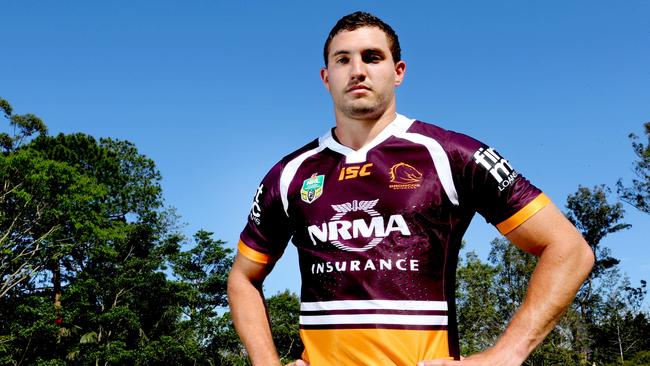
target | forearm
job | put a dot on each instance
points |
(561, 270)
(250, 319)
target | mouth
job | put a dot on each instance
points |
(358, 88)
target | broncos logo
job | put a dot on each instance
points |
(403, 173)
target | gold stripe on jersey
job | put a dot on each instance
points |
(253, 254)
(381, 347)
(524, 214)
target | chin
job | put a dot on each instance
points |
(367, 114)
(364, 111)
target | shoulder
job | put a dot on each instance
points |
(310, 146)
(455, 144)
(276, 171)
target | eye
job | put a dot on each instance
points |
(371, 58)
(342, 60)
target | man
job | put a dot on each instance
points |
(377, 209)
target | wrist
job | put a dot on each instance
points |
(513, 354)
(270, 361)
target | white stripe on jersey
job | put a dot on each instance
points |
(289, 172)
(374, 319)
(440, 161)
(373, 305)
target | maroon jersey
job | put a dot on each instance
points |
(378, 232)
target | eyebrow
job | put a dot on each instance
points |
(367, 50)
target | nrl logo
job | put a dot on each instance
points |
(312, 188)
(338, 230)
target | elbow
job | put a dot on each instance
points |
(583, 258)
(588, 257)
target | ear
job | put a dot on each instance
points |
(324, 76)
(400, 71)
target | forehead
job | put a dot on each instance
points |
(359, 39)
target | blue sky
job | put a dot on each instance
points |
(217, 92)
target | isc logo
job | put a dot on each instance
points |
(351, 172)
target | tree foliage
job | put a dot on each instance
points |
(592, 214)
(202, 275)
(638, 194)
(513, 270)
(86, 244)
(284, 310)
(479, 317)
(29, 186)
(24, 126)
(622, 330)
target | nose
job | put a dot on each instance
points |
(358, 70)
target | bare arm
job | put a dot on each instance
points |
(565, 260)
(249, 310)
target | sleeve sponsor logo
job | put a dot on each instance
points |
(499, 167)
(404, 176)
(256, 210)
(312, 188)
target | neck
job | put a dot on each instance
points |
(356, 133)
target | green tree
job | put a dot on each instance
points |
(23, 185)
(84, 222)
(640, 359)
(284, 311)
(638, 194)
(477, 298)
(24, 127)
(623, 329)
(227, 346)
(202, 274)
(513, 270)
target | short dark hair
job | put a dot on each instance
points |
(361, 19)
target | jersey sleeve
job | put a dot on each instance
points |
(489, 183)
(267, 231)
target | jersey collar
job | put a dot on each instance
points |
(399, 124)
